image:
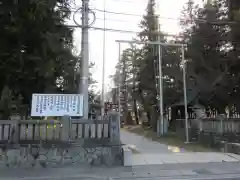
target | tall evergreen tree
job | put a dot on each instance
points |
(147, 77)
(205, 52)
(36, 47)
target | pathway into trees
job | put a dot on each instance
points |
(140, 144)
(146, 152)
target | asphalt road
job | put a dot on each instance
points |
(200, 171)
(156, 178)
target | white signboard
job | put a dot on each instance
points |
(57, 105)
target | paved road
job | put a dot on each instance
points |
(152, 172)
(156, 178)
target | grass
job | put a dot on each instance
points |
(172, 139)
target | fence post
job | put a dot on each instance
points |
(66, 128)
(14, 138)
(114, 127)
(201, 124)
(221, 117)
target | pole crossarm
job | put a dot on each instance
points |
(151, 42)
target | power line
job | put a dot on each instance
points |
(115, 20)
(104, 29)
(137, 15)
(196, 20)
(128, 14)
(122, 13)
(219, 22)
(113, 12)
(120, 20)
(119, 30)
(124, 31)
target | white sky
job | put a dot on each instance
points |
(166, 8)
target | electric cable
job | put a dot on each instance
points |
(123, 31)
(155, 15)
(196, 20)
(114, 20)
(76, 10)
(121, 13)
(77, 25)
(126, 14)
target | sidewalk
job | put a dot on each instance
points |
(181, 158)
(142, 144)
(153, 153)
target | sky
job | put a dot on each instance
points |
(169, 10)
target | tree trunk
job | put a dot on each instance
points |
(135, 111)
(143, 103)
(135, 101)
(155, 118)
(4, 102)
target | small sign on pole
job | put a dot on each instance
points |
(57, 105)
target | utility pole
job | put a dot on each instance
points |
(85, 58)
(160, 86)
(119, 81)
(184, 64)
(103, 68)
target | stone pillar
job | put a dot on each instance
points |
(66, 128)
(114, 131)
(114, 127)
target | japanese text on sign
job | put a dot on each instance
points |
(57, 105)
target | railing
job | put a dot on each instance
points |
(230, 125)
(215, 132)
(91, 129)
(50, 131)
(29, 130)
(214, 125)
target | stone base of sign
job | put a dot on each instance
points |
(55, 157)
(127, 156)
